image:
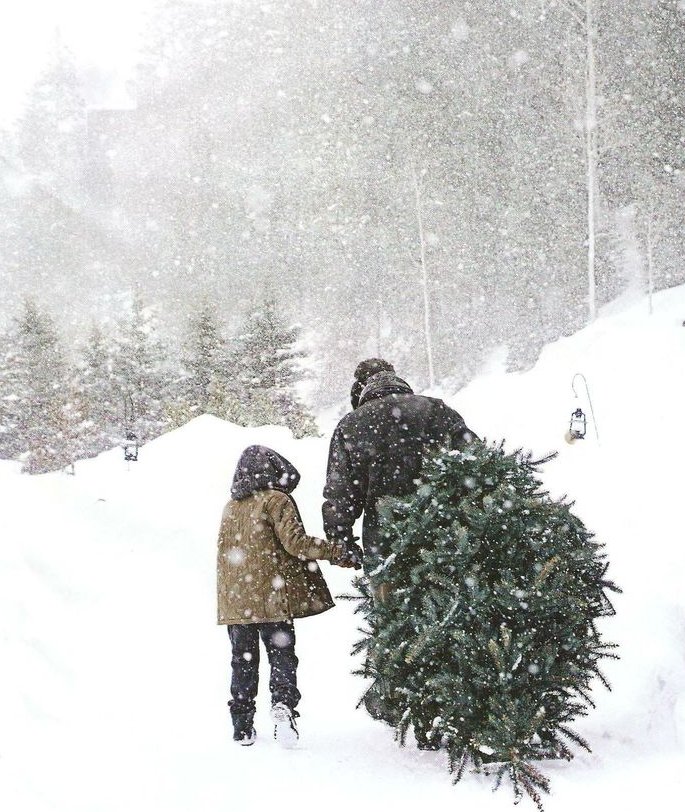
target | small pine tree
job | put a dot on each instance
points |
(482, 627)
(267, 359)
(39, 420)
(140, 372)
(8, 411)
(96, 399)
(207, 381)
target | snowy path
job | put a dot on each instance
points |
(121, 673)
(114, 676)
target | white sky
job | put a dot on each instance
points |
(104, 33)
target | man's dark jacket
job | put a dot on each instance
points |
(378, 449)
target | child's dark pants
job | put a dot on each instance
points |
(279, 640)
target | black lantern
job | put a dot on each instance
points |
(131, 447)
(578, 425)
(131, 441)
(577, 429)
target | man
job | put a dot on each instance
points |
(378, 449)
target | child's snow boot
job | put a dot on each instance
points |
(285, 729)
(245, 738)
(243, 731)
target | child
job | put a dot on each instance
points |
(267, 575)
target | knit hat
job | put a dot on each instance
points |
(364, 371)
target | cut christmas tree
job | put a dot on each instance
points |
(482, 622)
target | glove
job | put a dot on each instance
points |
(355, 555)
(352, 556)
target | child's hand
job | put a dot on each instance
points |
(352, 558)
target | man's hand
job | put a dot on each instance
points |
(352, 557)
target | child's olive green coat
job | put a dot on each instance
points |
(266, 565)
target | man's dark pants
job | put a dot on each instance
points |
(279, 640)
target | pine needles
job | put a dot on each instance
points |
(481, 626)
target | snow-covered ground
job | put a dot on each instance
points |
(114, 676)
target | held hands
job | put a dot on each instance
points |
(351, 558)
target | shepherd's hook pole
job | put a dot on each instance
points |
(589, 400)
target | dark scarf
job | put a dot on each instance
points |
(382, 384)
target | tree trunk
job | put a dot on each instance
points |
(424, 281)
(590, 153)
(650, 256)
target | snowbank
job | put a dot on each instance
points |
(114, 676)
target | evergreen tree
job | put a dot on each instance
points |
(267, 358)
(41, 424)
(8, 411)
(483, 620)
(97, 397)
(52, 130)
(140, 372)
(207, 383)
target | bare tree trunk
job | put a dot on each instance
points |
(379, 327)
(590, 153)
(650, 256)
(424, 280)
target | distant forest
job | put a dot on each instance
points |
(420, 179)
(125, 385)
